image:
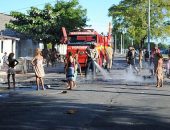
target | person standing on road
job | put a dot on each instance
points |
(154, 57)
(159, 71)
(11, 62)
(146, 56)
(130, 57)
(92, 55)
(5, 58)
(140, 58)
(77, 66)
(169, 51)
(70, 70)
(54, 57)
(109, 57)
(168, 67)
(37, 63)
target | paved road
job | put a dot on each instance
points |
(120, 101)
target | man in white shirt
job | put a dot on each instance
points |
(92, 55)
(5, 58)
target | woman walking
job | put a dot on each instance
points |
(37, 63)
(11, 64)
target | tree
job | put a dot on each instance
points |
(45, 25)
(132, 16)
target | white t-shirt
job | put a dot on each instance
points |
(5, 58)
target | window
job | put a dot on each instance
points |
(12, 45)
(2, 46)
(83, 39)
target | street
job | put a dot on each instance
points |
(118, 101)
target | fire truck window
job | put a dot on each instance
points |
(85, 38)
(81, 38)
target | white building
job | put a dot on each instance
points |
(11, 41)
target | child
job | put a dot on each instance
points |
(11, 64)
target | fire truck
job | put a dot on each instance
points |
(80, 39)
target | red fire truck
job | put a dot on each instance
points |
(82, 38)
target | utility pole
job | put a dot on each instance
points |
(115, 43)
(149, 4)
(121, 44)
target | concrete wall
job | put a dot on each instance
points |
(25, 48)
(61, 48)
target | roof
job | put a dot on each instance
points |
(8, 37)
(4, 19)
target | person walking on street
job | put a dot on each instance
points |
(11, 62)
(109, 57)
(159, 71)
(37, 63)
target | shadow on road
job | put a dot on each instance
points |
(42, 111)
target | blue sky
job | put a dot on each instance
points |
(97, 10)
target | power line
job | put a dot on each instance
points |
(31, 6)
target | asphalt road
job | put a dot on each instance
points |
(119, 100)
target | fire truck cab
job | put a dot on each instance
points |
(81, 39)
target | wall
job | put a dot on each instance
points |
(8, 46)
(25, 48)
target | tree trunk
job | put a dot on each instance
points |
(53, 45)
(45, 45)
(142, 42)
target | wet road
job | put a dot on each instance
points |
(121, 102)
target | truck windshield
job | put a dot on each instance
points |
(82, 39)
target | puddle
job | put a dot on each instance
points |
(4, 95)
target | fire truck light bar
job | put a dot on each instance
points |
(83, 33)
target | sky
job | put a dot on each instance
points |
(97, 10)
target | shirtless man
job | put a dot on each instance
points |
(159, 71)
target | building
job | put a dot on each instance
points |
(11, 41)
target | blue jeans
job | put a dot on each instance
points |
(90, 65)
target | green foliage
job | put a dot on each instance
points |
(45, 25)
(131, 16)
(163, 46)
